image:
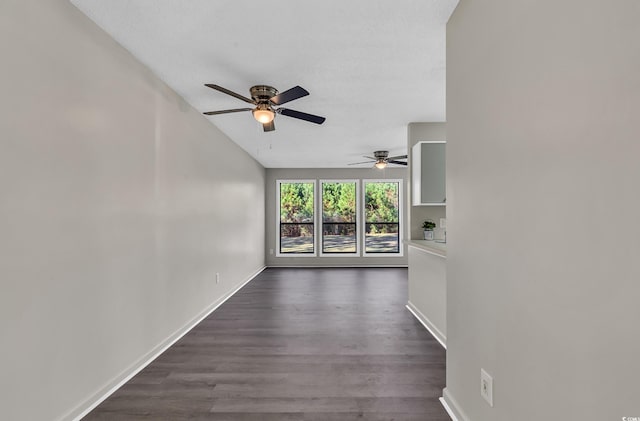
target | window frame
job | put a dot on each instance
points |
(320, 213)
(360, 224)
(401, 205)
(315, 220)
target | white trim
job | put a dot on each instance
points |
(449, 410)
(452, 407)
(358, 252)
(401, 205)
(107, 390)
(315, 219)
(435, 332)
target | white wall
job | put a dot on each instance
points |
(274, 174)
(543, 242)
(115, 212)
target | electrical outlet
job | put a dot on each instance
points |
(217, 278)
(486, 387)
(270, 251)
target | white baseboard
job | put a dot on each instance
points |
(435, 332)
(103, 393)
(448, 409)
(452, 407)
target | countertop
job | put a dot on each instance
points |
(430, 246)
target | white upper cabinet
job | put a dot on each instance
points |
(428, 173)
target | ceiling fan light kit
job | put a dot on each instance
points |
(266, 98)
(263, 114)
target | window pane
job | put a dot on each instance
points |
(382, 210)
(339, 217)
(296, 218)
(382, 238)
(381, 202)
(296, 238)
(339, 238)
(339, 202)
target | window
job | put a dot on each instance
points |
(296, 223)
(339, 210)
(382, 217)
(339, 218)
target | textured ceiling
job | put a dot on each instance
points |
(371, 67)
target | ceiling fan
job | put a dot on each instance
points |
(380, 159)
(266, 98)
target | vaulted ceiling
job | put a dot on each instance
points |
(371, 67)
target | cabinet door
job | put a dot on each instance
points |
(428, 166)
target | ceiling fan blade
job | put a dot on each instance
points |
(392, 161)
(269, 127)
(398, 157)
(359, 163)
(235, 110)
(228, 92)
(289, 95)
(370, 157)
(300, 115)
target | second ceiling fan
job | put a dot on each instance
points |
(266, 99)
(381, 159)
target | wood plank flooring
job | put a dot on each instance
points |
(296, 345)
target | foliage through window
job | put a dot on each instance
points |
(339, 229)
(297, 217)
(382, 217)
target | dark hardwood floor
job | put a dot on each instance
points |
(296, 344)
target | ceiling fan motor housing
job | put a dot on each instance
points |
(263, 93)
(381, 154)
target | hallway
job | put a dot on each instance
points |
(296, 344)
